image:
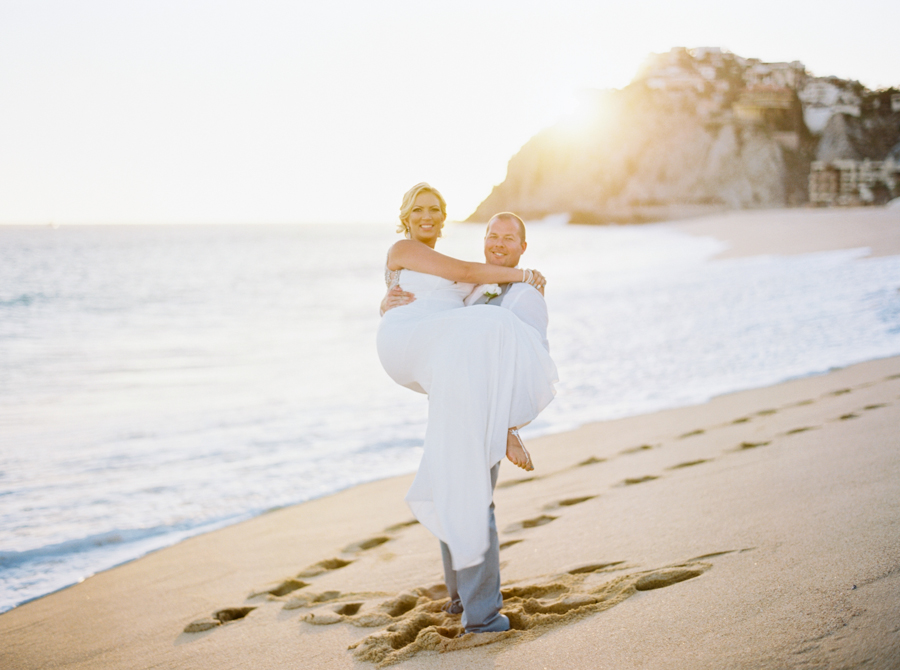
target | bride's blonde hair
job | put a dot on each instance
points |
(409, 200)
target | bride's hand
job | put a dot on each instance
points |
(537, 280)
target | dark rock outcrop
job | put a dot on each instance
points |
(871, 136)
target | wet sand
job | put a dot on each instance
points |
(759, 530)
(796, 231)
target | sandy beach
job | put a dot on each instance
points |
(758, 530)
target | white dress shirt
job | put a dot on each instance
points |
(526, 302)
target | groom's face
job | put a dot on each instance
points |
(503, 243)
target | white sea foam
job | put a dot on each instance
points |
(158, 382)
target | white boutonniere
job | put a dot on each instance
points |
(492, 290)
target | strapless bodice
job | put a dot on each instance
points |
(432, 293)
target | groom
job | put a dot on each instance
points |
(475, 591)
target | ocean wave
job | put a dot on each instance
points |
(102, 542)
(22, 300)
(30, 574)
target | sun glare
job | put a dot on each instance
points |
(588, 112)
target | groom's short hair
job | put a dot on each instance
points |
(509, 216)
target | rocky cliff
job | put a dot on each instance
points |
(696, 131)
(870, 136)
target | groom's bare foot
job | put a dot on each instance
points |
(516, 451)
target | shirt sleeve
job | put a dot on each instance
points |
(527, 303)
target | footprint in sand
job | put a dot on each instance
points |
(638, 480)
(515, 482)
(509, 543)
(699, 431)
(716, 554)
(590, 461)
(635, 450)
(803, 429)
(281, 589)
(871, 407)
(306, 599)
(365, 545)
(568, 502)
(665, 577)
(223, 616)
(541, 520)
(594, 567)
(688, 464)
(751, 445)
(532, 609)
(322, 567)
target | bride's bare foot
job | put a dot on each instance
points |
(516, 451)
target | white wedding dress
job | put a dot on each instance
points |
(484, 371)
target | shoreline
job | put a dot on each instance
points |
(787, 232)
(583, 506)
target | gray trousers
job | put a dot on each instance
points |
(476, 591)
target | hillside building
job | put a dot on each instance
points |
(781, 75)
(774, 107)
(849, 182)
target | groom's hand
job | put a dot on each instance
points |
(396, 297)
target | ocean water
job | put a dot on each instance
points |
(159, 381)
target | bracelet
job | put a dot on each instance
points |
(530, 276)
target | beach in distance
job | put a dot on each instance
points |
(722, 494)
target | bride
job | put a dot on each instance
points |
(484, 370)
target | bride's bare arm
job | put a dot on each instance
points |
(416, 256)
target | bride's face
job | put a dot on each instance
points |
(426, 218)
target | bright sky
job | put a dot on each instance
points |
(266, 111)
